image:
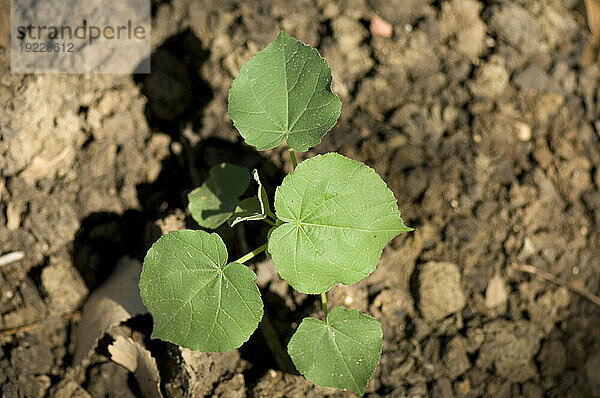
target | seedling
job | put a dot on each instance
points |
(332, 218)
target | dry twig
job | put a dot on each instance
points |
(530, 269)
(11, 258)
(33, 325)
(590, 52)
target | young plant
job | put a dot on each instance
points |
(333, 216)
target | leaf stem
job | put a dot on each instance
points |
(270, 222)
(249, 256)
(293, 156)
(324, 301)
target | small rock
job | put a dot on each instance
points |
(533, 78)
(440, 290)
(460, 22)
(381, 27)
(397, 141)
(475, 338)
(63, 285)
(464, 387)
(523, 131)
(455, 357)
(509, 350)
(349, 32)
(490, 80)
(517, 26)
(528, 248)
(496, 294)
(13, 217)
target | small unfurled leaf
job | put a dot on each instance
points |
(254, 208)
(247, 210)
(337, 216)
(284, 92)
(197, 299)
(342, 352)
(214, 202)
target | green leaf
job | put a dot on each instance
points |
(214, 202)
(337, 215)
(284, 92)
(197, 300)
(341, 353)
(254, 208)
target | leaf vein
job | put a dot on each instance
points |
(314, 91)
(345, 363)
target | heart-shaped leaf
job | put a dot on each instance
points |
(196, 299)
(213, 202)
(342, 352)
(254, 208)
(338, 215)
(284, 92)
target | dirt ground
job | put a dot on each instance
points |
(477, 114)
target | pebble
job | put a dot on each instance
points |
(496, 293)
(440, 290)
(381, 27)
(523, 131)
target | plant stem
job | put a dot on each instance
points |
(270, 214)
(249, 256)
(324, 301)
(272, 338)
(270, 222)
(293, 156)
